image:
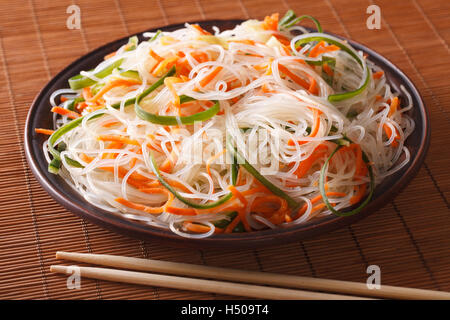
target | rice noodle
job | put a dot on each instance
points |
(260, 105)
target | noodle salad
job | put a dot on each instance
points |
(264, 126)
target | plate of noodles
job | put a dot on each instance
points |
(227, 133)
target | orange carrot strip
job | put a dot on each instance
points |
(378, 75)
(110, 55)
(155, 56)
(208, 78)
(137, 206)
(271, 22)
(168, 82)
(181, 211)
(393, 106)
(86, 93)
(44, 131)
(65, 112)
(306, 164)
(317, 199)
(114, 84)
(112, 145)
(201, 30)
(195, 227)
(293, 76)
(327, 69)
(313, 88)
(109, 123)
(238, 194)
(315, 51)
(118, 139)
(233, 224)
(358, 196)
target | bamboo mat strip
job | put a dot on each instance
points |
(408, 238)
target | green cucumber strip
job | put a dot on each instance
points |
(134, 42)
(79, 82)
(341, 143)
(132, 74)
(214, 204)
(290, 19)
(269, 185)
(147, 91)
(155, 36)
(70, 104)
(222, 224)
(331, 62)
(346, 95)
(172, 120)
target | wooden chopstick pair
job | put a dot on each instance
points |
(251, 284)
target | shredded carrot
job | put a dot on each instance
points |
(118, 138)
(313, 88)
(112, 145)
(44, 131)
(320, 48)
(86, 93)
(319, 152)
(110, 123)
(210, 160)
(181, 211)
(201, 30)
(164, 65)
(244, 41)
(263, 205)
(155, 56)
(359, 194)
(269, 67)
(113, 84)
(208, 78)
(63, 99)
(271, 22)
(140, 207)
(317, 199)
(110, 55)
(169, 81)
(327, 69)
(238, 194)
(66, 112)
(293, 76)
(315, 51)
(378, 75)
(200, 56)
(393, 107)
(233, 224)
(387, 129)
(196, 227)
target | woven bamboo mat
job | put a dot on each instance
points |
(409, 239)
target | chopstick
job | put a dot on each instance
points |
(254, 277)
(229, 288)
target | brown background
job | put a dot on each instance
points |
(409, 239)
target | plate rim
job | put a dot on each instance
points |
(113, 222)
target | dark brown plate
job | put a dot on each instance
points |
(39, 117)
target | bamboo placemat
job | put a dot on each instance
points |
(409, 239)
